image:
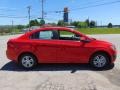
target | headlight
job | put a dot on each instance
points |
(113, 47)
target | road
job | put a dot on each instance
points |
(59, 77)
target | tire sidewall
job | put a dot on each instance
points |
(33, 57)
(92, 59)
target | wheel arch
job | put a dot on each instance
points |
(27, 53)
(103, 52)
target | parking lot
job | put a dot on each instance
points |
(60, 76)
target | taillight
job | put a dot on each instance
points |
(10, 44)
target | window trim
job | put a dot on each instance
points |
(53, 32)
(57, 32)
(69, 32)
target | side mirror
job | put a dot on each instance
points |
(76, 35)
(84, 39)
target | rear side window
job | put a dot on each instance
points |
(45, 35)
(42, 35)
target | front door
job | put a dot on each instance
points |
(70, 48)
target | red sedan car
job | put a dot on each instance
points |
(51, 45)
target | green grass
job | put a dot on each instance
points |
(100, 30)
(96, 31)
(83, 30)
(9, 32)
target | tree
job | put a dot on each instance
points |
(42, 22)
(34, 23)
(110, 25)
(92, 24)
(88, 22)
(75, 23)
(20, 26)
(82, 25)
(61, 23)
(52, 24)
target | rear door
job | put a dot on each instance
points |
(45, 45)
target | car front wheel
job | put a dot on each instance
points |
(99, 60)
(27, 61)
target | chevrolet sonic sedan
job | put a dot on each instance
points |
(59, 45)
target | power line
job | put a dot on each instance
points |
(92, 2)
(10, 9)
(11, 17)
(83, 4)
(71, 10)
(6, 9)
(90, 6)
(107, 3)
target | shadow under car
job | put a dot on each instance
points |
(12, 66)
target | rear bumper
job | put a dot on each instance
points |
(11, 55)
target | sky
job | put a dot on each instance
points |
(16, 11)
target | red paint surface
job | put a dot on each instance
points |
(57, 51)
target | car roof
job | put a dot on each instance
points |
(52, 28)
(55, 28)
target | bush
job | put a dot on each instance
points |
(82, 25)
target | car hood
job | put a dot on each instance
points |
(101, 43)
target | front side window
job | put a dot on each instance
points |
(66, 35)
(42, 35)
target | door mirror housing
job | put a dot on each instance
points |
(76, 35)
(84, 39)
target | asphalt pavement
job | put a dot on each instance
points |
(60, 76)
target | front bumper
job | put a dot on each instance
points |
(114, 57)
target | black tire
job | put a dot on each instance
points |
(28, 61)
(100, 60)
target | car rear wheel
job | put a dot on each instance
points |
(28, 61)
(99, 60)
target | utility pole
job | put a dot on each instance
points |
(101, 23)
(12, 25)
(29, 15)
(42, 10)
